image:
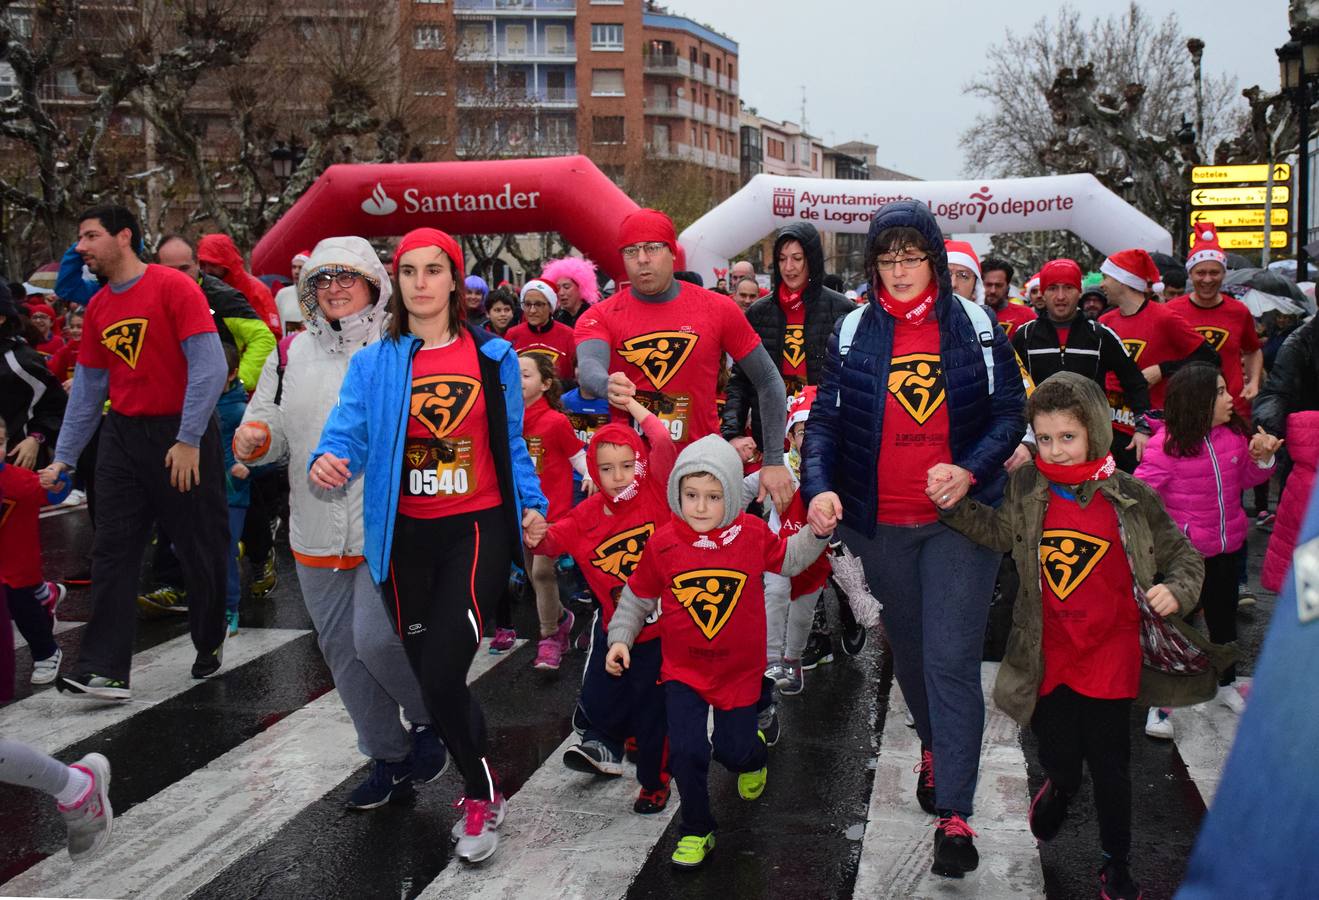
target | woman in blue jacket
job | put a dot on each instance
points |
(432, 415)
(921, 402)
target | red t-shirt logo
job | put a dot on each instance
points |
(1134, 348)
(659, 354)
(1067, 557)
(619, 554)
(441, 402)
(794, 346)
(6, 507)
(710, 596)
(916, 382)
(125, 339)
(1216, 337)
(547, 352)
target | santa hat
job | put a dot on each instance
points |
(1135, 269)
(302, 257)
(799, 408)
(1206, 248)
(1033, 282)
(960, 253)
(542, 287)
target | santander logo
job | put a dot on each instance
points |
(379, 203)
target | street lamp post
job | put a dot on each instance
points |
(1298, 65)
(285, 159)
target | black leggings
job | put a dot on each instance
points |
(445, 577)
(1218, 598)
(1072, 729)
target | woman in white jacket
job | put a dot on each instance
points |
(344, 291)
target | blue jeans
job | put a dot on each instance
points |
(936, 585)
(234, 582)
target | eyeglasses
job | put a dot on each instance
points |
(650, 248)
(535, 304)
(322, 280)
(958, 276)
(907, 262)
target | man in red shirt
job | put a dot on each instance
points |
(1225, 323)
(996, 275)
(1158, 339)
(151, 347)
(663, 341)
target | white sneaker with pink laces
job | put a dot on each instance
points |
(479, 836)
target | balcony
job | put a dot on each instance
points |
(665, 64)
(668, 106)
(565, 8)
(524, 53)
(513, 98)
(541, 146)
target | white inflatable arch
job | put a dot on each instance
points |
(1077, 203)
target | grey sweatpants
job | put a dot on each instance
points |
(28, 767)
(365, 657)
(936, 585)
(787, 619)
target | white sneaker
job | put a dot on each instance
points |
(460, 827)
(89, 823)
(1228, 695)
(480, 836)
(45, 670)
(75, 498)
(1158, 724)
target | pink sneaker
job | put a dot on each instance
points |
(564, 634)
(503, 640)
(549, 653)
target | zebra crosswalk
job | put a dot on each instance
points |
(260, 812)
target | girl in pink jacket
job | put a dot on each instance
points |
(1200, 463)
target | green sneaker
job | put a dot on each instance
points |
(692, 850)
(167, 599)
(264, 582)
(751, 785)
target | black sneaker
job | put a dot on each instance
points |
(94, 687)
(819, 651)
(207, 664)
(954, 853)
(854, 635)
(925, 781)
(593, 758)
(767, 720)
(579, 721)
(1116, 883)
(1047, 811)
(385, 781)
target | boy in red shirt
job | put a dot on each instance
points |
(701, 575)
(606, 534)
(32, 599)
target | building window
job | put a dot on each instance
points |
(19, 22)
(8, 80)
(429, 83)
(705, 60)
(731, 76)
(428, 37)
(515, 40)
(606, 82)
(476, 38)
(130, 125)
(606, 37)
(660, 139)
(608, 129)
(556, 40)
(815, 161)
(692, 55)
(774, 148)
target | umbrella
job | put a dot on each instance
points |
(1288, 267)
(1236, 261)
(1259, 302)
(45, 276)
(275, 282)
(1165, 261)
(1269, 282)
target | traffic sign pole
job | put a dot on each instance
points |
(1268, 215)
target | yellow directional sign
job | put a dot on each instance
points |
(1250, 240)
(1239, 218)
(1232, 174)
(1242, 196)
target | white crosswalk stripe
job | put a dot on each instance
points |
(898, 846)
(52, 721)
(173, 843)
(1204, 735)
(60, 627)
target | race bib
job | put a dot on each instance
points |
(1123, 418)
(794, 384)
(587, 424)
(674, 410)
(439, 468)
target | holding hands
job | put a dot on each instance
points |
(1263, 445)
(946, 485)
(824, 513)
(621, 390)
(534, 527)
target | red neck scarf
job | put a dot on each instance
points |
(618, 433)
(1091, 470)
(913, 312)
(789, 299)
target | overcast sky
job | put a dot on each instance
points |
(858, 61)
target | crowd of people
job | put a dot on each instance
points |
(698, 464)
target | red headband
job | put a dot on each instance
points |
(432, 237)
(1060, 271)
(647, 225)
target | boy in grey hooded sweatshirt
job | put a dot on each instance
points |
(702, 577)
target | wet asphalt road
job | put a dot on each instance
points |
(803, 839)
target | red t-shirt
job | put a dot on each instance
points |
(1153, 335)
(816, 574)
(915, 425)
(608, 547)
(551, 441)
(1012, 316)
(1091, 624)
(50, 346)
(675, 348)
(21, 499)
(447, 464)
(62, 363)
(138, 336)
(556, 342)
(793, 364)
(711, 605)
(1230, 329)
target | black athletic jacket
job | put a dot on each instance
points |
(1092, 350)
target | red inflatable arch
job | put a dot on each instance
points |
(566, 194)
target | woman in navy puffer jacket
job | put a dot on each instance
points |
(921, 403)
